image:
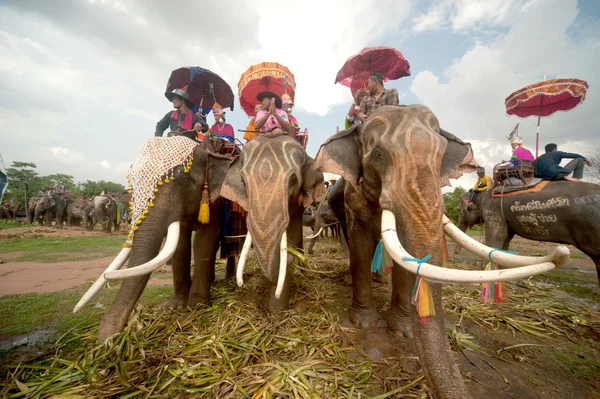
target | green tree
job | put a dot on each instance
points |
(91, 188)
(451, 203)
(19, 174)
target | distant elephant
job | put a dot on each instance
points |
(274, 180)
(108, 212)
(394, 166)
(32, 203)
(80, 211)
(11, 207)
(325, 217)
(174, 212)
(563, 212)
(49, 207)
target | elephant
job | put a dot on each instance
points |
(51, 206)
(563, 212)
(80, 211)
(108, 212)
(11, 207)
(274, 180)
(325, 217)
(174, 210)
(32, 203)
(394, 166)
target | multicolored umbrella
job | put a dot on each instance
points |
(204, 87)
(545, 98)
(356, 70)
(266, 76)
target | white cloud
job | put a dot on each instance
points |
(460, 15)
(469, 98)
(105, 164)
(67, 156)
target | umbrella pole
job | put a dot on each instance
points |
(537, 137)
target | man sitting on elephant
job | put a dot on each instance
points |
(378, 96)
(483, 183)
(183, 118)
(548, 167)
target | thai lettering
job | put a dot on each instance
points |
(587, 199)
(542, 231)
(535, 219)
(539, 205)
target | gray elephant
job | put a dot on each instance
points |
(173, 210)
(49, 207)
(563, 212)
(32, 203)
(274, 181)
(324, 219)
(108, 212)
(80, 211)
(11, 207)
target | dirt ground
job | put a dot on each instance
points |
(26, 277)
(529, 370)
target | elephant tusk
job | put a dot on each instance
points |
(163, 256)
(239, 273)
(445, 275)
(282, 265)
(314, 235)
(558, 256)
(116, 264)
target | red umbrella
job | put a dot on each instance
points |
(545, 98)
(356, 70)
(204, 86)
(266, 76)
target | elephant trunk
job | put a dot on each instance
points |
(431, 339)
(146, 245)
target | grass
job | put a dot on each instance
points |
(53, 311)
(9, 224)
(58, 249)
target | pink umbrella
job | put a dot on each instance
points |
(356, 70)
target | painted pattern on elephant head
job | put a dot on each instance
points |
(271, 178)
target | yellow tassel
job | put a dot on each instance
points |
(135, 228)
(204, 214)
(185, 170)
(130, 236)
(172, 178)
(155, 190)
(151, 205)
(130, 191)
(142, 217)
(167, 180)
(425, 305)
(153, 197)
(159, 183)
(145, 211)
(138, 221)
(127, 245)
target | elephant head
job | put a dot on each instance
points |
(168, 180)
(273, 179)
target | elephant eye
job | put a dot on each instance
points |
(377, 153)
(293, 180)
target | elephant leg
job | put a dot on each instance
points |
(181, 269)
(230, 268)
(206, 241)
(399, 317)
(497, 235)
(362, 246)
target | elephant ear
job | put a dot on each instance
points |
(340, 154)
(458, 158)
(313, 187)
(218, 167)
(233, 187)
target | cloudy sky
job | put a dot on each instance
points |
(82, 81)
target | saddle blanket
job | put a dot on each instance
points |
(535, 186)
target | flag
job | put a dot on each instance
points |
(513, 133)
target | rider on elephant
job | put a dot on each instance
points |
(221, 129)
(378, 96)
(483, 183)
(548, 167)
(352, 116)
(519, 151)
(271, 120)
(183, 118)
(288, 104)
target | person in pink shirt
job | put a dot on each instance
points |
(220, 128)
(271, 120)
(519, 151)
